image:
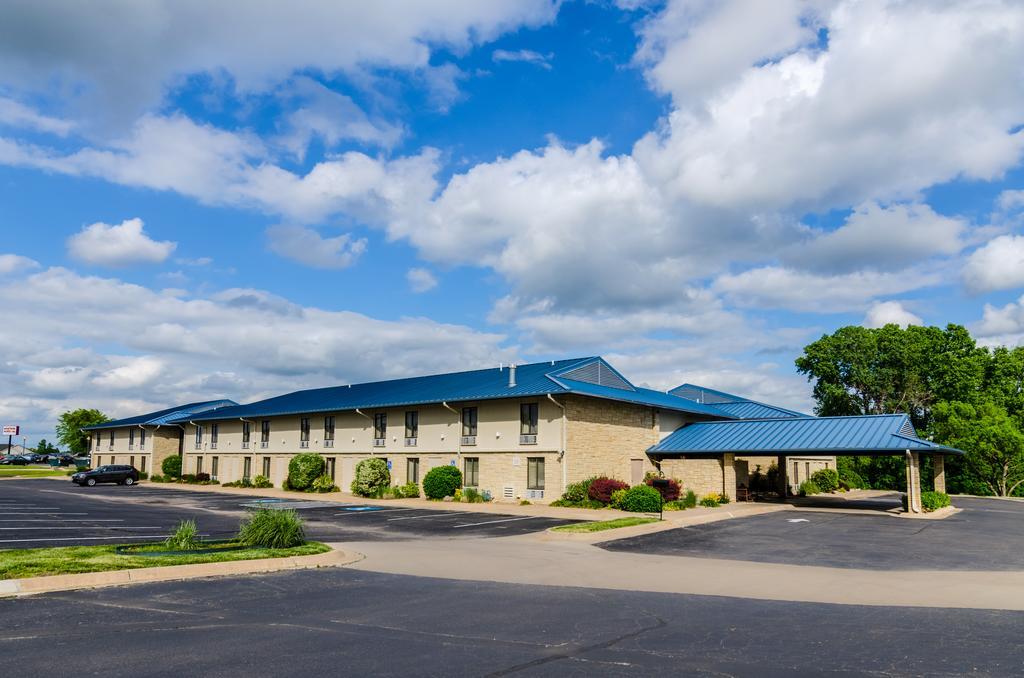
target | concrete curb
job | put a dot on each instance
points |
(694, 517)
(88, 580)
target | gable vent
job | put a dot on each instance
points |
(699, 395)
(908, 429)
(598, 373)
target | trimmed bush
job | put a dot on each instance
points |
(324, 483)
(188, 478)
(185, 537)
(851, 480)
(410, 490)
(933, 501)
(617, 497)
(441, 482)
(303, 469)
(677, 505)
(710, 501)
(272, 529)
(577, 492)
(372, 477)
(202, 477)
(262, 482)
(171, 466)
(690, 499)
(670, 493)
(641, 499)
(601, 489)
(827, 479)
(809, 487)
(157, 479)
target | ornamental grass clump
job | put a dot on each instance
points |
(272, 529)
(185, 537)
(809, 487)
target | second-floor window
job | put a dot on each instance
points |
(380, 425)
(468, 421)
(265, 431)
(142, 438)
(528, 419)
(304, 429)
(213, 436)
(199, 437)
(111, 443)
(131, 438)
(412, 424)
(99, 441)
(328, 428)
(246, 432)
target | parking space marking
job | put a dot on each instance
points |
(350, 512)
(450, 514)
(491, 522)
(46, 513)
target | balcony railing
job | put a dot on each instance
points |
(199, 446)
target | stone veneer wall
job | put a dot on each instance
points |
(703, 475)
(602, 436)
(165, 444)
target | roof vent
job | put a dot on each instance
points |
(512, 375)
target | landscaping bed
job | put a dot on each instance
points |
(602, 525)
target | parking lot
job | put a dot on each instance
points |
(985, 535)
(38, 513)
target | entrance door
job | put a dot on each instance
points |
(330, 467)
(636, 471)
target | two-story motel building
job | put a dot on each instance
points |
(519, 432)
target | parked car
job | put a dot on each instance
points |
(61, 459)
(14, 460)
(122, 475)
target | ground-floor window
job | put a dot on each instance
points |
(471, 472)
(112, 458)
(142, 464)
(266, 467)
(330, 467)
(131, 461)
(246, 468)
(199, 465)
(214, 464)
(535, 473)
(412, 470)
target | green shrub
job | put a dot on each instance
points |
(262, 482)
(185, 537)
(677, 505)
(577, 492)
(156, 479)
(586, 503)
(524, 502)
(641, 499)
(851, 480)
(272, 529)
(324, 483)
(932, 501)
(303, 469)
(809, 487)
(372, 477)
(441, 482)
(616, 499)
(690, 499)
(827, 479)
(601, 488)
(472, 495)
(171, 466)
(411, 490)
(710, 501)
(188, 477)
(143, 475)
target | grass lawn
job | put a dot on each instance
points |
(31, 471)
(19, 563)
(602, 525)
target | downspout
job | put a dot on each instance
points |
(458, 438)
(369, 418)
(561, 453)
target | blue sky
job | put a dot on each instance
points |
(203, 202)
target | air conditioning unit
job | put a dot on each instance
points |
(535, 494)
(304, 444)
(131, 447)
(245, 445)
(508, 492)
(410, 442)
(379, 442)
(469, 440)
(328, 443)
(213, 446)
(264, 444)
(199, 446)
(528, 440)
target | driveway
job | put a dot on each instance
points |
(985, 535)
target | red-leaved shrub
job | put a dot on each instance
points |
(601, 489)
(670, 493)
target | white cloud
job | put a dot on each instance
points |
(890, 312)
(1001, 326)
(996, 265)
(421, 280)
(16, 114)
(524, 55)
(123, 244)
(130, 374)
(14, 263)
(308, 247)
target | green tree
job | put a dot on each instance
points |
(993, 440)
(69, 433)
(44, 447)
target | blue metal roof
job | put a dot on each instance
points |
(161, 417)
(878, 434)
(533, 379)
(738, 406)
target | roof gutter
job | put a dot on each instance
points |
(561, 453)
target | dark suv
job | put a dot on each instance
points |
(122, 475)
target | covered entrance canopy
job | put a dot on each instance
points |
(885, 434)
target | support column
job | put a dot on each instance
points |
(913, 482)
(780, 464)
(939, 472)
(729, 475)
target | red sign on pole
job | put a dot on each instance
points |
(12, 430)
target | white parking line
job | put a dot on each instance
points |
(491, 522)
(450, 514)
(363, 513)
(84, 527)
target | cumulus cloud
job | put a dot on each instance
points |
(16, 114)
(525, 55)
(123, 244)
(996, 265)
(308, 247)
(890, 312)
(14, 263)
(1001, 325)
(421, 280)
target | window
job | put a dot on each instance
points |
(266, 467)
(412, 428)
(99, 441)
(246, 434)
(112, 459)
(265, 433)
(471, 472)
(528, 419)
(328, 431)
(469, 426)
(246, 468)
(111, 440)
(199, 437)
(331, 461)
(380, 429)
(131, 460)
(412, 470)
(131, 440)
(535, 473)
(142, 438)
(213, 436)
(199, 465)
(142, 464)
(214, 467)
(304, 432)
